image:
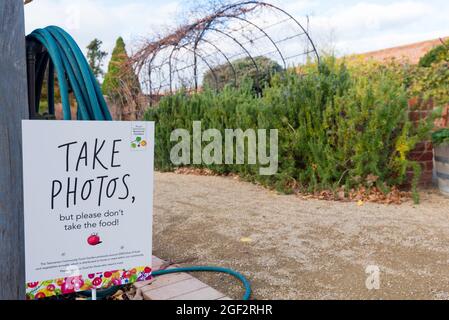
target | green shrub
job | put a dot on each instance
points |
(120, 81)
(437, 54)
(430, 82)
(335, 129)
(440, 137)
(420, 82)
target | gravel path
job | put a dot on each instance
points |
(302, 249)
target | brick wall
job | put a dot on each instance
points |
(407, 53)
(423, 153)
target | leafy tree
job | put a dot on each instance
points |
(437, 54)
(95, 56)
(244, 70)
(121, 83)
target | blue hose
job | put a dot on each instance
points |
(73, 72)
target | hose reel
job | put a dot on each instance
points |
(54, 49)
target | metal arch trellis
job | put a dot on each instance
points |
(213, 40)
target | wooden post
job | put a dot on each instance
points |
(13, 108)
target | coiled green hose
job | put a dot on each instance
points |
(103, 293)
(73, 73)
(231, 272)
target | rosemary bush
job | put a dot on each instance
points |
(336, 129)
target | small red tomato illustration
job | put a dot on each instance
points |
(93, 239)
(91, 275)
(32, 284)
(107, 274)
(96, 282)
(147, 270)
(51, 287)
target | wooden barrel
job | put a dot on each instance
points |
(441, 154)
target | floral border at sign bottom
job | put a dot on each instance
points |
(73, 284)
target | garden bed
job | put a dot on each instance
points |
(360, 195)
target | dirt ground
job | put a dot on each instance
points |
(302, 249)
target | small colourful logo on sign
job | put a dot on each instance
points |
(138, 143)
(139, 139)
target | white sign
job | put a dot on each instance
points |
(88, 197)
